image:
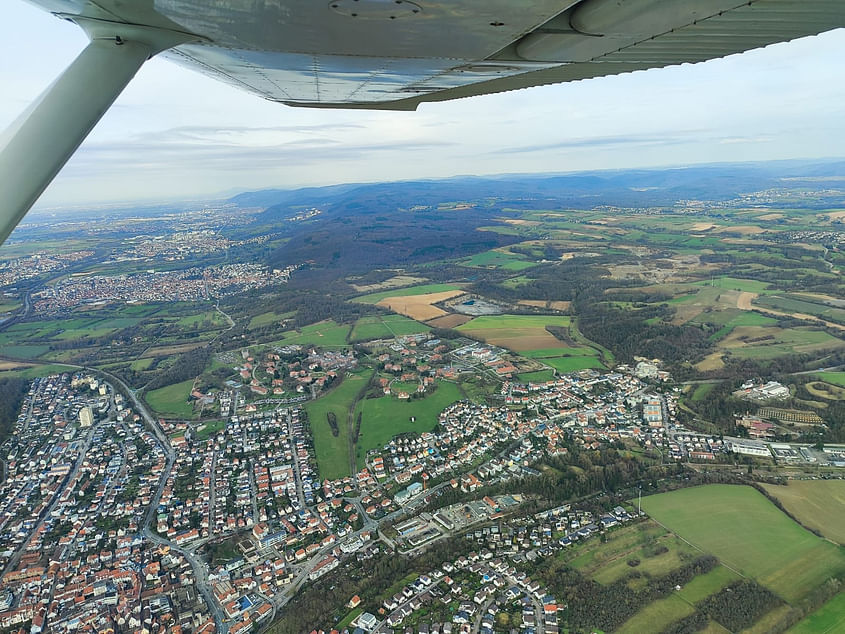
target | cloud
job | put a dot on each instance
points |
(602, 142)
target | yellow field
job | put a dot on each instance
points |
(819, 504)
(13, 365)
(419, 307)
(712, 361)
(517, 332)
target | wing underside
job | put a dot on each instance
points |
(395, 54)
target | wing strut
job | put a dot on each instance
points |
(39, 143)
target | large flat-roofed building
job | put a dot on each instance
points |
(747, 447)
(86, 417)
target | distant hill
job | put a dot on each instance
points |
(362, 226)
(641, 187)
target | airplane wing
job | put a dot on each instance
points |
(385, 54)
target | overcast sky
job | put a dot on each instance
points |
(176, 134)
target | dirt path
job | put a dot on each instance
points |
(744, 299)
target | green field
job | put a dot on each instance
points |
(789, 304)
(423, 289)
(750, 535)
(783, 342)
(385, 417)
(206, 430)
(591, 557)
(730, 319)
(550, 353)
(657, 615)
(25, 351)
(500, 260)
(37, 370)
(650, 564)
(265, 319)
(333, 451)
(705, 585)
(172, 400)
(818, 504)
(386, 327)
(701, 391)
(327, 334)
(573, 364)
(207, 319)
(828, 619)
(835, 378)
(139, 365)
(737, 284)
(541, 376)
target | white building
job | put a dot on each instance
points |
(747, 447)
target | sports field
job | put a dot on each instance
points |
(172, 400)
(750, 535)
(819, 504)
(385, 417)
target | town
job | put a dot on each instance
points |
(216, 527)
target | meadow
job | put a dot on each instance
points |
(749, 535)
(172, 400)
(385, 327)
(818, 504)
(423, 289)
(834, 378)
(499, 259)
(385, 417)
(266, 319)
(333, 451)
(517, 332)
(326, 334)
(828, 619)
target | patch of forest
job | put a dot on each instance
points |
(12, 394)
